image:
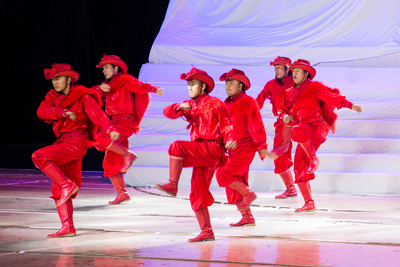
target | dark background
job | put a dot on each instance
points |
(36, 34)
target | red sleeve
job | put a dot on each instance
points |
(94, 112)
(225, 124)
(48, 111)
(347, 104)
(333, 97)
(137, 87)
(148, 87)
(282, 109)
(263, 95)
(100, 92)
(173, 111)
(255, 125)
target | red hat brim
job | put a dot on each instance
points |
(241, 78)
(280, 62)
(202, 77)
(116, 62)
(307, 68)
(68, 73)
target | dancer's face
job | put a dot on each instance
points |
(196, 88)
(281, 71)
(233, 87)
(109, 70)
(299, 75)
(61, 84)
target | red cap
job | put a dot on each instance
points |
(285, 61)
(111, 59)
(239, 75)
(305, 65)
(62, 69)
(199, 75)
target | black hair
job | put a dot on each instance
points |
(205, 89)
(118, 70)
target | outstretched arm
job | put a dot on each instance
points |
(177, 110)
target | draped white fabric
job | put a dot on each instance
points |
(252, 32)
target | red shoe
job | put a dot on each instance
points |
(205, 235)
(169, 188)
(65, 231)
(245, 221)
(308, 206)
(290, 192)
(121, 197)
(130, 157)
(67, 190)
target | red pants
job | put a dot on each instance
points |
(66, 153)
(236, 169)
(203, 156)
(284, 162)
(113, 162)
(317, 132)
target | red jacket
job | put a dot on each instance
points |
(313, 101)
(84, 102)
(273, 91)
(208, 118)
(246, 120)
(128, 95)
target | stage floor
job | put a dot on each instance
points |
(152, 230)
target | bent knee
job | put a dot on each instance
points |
(299, 135)
(38, 159)
(175, 149)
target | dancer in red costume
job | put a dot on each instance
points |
(210, 131)
(250, 136)
(127, 100)
(281, 153)
(75, 112)
(309, 105)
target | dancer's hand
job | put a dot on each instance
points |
(263, 153)
(356, 108)
(71, 115)
(287, 119)
(184, 106)
(105, 87)
(160, 91)
(230, 144)
(114, 135)
(272, 155)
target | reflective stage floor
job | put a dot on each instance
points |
(152, 229)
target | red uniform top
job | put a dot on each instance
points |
(246, 120)
(84, 102)
(273, 90)
(128, 95)
(312, 101)
(208, 118)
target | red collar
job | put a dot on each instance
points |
(235, 97)
(303, 84)
(200, 98)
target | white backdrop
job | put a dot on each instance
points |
(216, 36)
(252, 32)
